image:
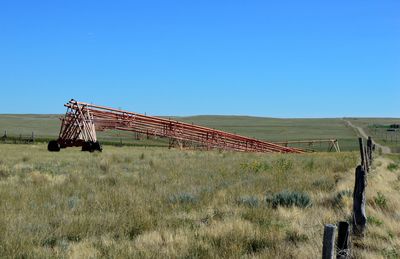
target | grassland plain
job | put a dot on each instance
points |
(158, 203)
(48, 126)
(380, 133)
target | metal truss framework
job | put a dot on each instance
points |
(332, 143)
(83, 119)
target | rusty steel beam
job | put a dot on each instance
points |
(81, 121)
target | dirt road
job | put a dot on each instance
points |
(361, 132)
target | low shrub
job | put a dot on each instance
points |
(324, 184)
(249, 201)
(390, 253)
(4, 171)
(289, 199)
(182, 197)
(255, 166)
(295, 237)
(374, 221)
(381, 200)
(282, 165)
(73, 202)
(392, 167)
(339, 196)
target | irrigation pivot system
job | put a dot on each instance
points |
(82, 120)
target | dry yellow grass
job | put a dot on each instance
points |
(159, 203)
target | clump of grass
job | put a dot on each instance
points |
(295, 236)
(116, 158)
(37, 178)
(234, 237)
(324, 184)
(105, 165)
(73, 202)
(337, 200)
(391, 253)
(255, 245)
(4, 171)
(183, 197)
(141, 157)
(289, 199)
(249, 201)
(282, 165)
(374, 221)
(151, 163)
(380, 200)
(309, 166)
(255, 166)
(392, 167)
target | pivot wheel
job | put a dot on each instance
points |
(97, 146)
(53, 146)
(87, 146)
(92, 146)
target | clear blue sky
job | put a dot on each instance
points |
(264, 58)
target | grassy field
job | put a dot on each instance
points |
(377, 128)
(47, 127)
(158, 203)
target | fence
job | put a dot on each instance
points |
(20, 139)
(129, 139)
(359, 220)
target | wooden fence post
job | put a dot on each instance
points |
(328, 248)
(5, 136)
(363, 154)
(369, 148)
(343, 242)
(359, 217)
(361, 144)
(367, 162)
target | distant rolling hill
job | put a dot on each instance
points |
(47, 126)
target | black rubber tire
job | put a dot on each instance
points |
(87, 146)
(97, 146)
(53, 146)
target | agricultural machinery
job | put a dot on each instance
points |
(82, 120)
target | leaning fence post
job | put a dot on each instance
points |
(328, 248)
(359, 217)
(363, 153)
(369, 148)
(343, 242)
(361, 143)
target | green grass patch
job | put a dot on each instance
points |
(289, 199)
(393, 167)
